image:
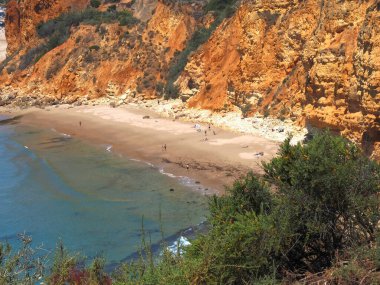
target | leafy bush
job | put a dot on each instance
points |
(329, 192)
(220, 6)
(24, 266)
(95, 3)
(171, 91)
(315, 204)
(248, 194)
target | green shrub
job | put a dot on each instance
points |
(63, 266)
(171, 91)
(126, 18)
(95, 3)
(329, 192)
(317, 203)
(22, 266)
(94, 47)
(111, 8)
(248, 194)
(239, 251)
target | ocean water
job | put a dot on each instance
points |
(53, 187)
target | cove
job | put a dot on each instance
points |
(53, 187)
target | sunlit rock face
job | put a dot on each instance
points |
(315, 62)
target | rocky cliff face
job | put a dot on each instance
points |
(314, 61)
(99, 60)
(24, 15)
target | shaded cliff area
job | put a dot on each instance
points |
(315, 62)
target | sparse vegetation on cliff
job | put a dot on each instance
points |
(221, 9)
(316, 204)
(56, 31)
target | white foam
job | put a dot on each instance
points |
(141, 161)
(168, 174)
(178, 246)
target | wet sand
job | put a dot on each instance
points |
(213, 163)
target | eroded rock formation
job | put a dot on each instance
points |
(314, 61)
(104, 59)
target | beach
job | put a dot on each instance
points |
(210, 156)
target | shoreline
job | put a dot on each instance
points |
(140, 133)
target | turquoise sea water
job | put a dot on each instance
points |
(53, 186)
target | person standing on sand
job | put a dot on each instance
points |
(187, 167)
(80, 123)
(165, 147)
(205, 133)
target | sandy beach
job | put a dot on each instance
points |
(213, 159)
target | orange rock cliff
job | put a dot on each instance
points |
(316, 62)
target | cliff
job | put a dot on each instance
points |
(313, 61)
(23, 16)
(95, 60)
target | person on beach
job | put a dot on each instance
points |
(165, 147)
(80, 123)
(187, 167)
(205, 133)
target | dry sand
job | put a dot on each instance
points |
(213, 163)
